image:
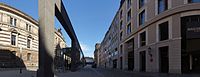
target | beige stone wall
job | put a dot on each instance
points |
(176, 10)
(22, 35)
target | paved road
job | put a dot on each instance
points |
(91, 72)
(98, 72)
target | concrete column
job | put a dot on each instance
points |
(46, 38)
(73, 57)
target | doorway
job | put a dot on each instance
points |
(142, 61)
(121, 63)
(164, 59)
(190, 42)
(130, 60)
(115, 63)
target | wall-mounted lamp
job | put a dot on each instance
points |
(150, 51)
(150, 54)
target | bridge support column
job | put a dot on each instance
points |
(74, 58)
(46, 38)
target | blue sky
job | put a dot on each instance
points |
(90, 18)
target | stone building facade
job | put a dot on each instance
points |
(96, 53)
(59, 44)
(19, 39)
(108, 51)
(159, 36)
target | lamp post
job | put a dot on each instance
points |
(20, 52)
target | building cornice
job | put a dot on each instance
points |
(18, 12)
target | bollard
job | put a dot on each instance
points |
(20, 70)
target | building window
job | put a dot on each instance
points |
(193, 1)
(28, 43)
(121, 49)
(28, 56)
(13, 21)
(128, 29)
(129, 15)
(121, 25)
(13, 39)
(128, 4)
(121, 14)
(163, 31)
(121, 35)
(143, 39)
(141, 3)
(142, 18)
(29, 28)
(162, 5)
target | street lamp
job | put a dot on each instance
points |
(20, 52)
(150, 51)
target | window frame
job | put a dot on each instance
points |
(29, 56)
(121, 14)
(129, 15)
(27, 26)
(128, 30)
(128, 4)
(121, 24)
(121, 36)
(13, 42)
(28, 43)
(143, 43)
(142, 14)
(165, 6)
(141, 4)
(160, 38)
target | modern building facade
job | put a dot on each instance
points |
(158, 36)
(108, 54)
(19, 41)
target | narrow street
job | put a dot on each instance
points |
(93, 72)
(99, 72)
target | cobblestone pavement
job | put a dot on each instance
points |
(94, 72)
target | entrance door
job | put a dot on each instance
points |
(130, 60)
(115, 63)
(143, 61)
(164, 59)
(190, 42)
(121, 63)
(196, 63)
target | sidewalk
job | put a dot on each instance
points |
(153, 74)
